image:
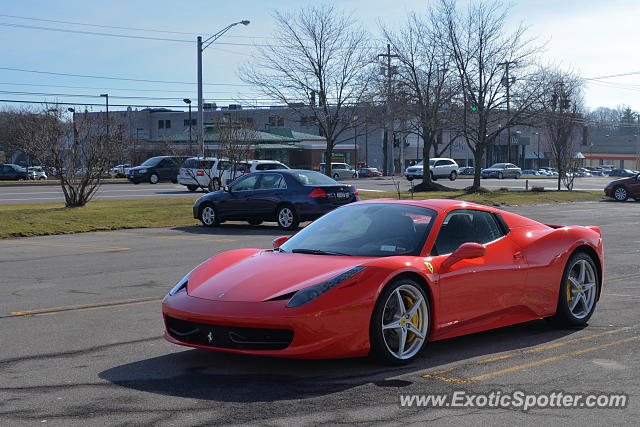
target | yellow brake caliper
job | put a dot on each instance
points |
(568, 290)
(413, 320)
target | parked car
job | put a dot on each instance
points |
(385, 277)
(120, 171)
(466, 170)
(530, 172)
(438, 167)
(621, 172)
(11, 172)
(286, 196)
(502, 170)
(340, 171)
(156, 169)
(622, 189)
(201, 172)
(368, 172)
(37, 173)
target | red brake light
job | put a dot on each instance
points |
(318, 192)
(200, 173)
(357, 192)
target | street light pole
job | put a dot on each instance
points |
(201, 46)
(106, 97)
(188, 102)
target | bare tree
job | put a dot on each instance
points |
(81, 151)
(317, 65)
(236, 144)
(561, 105)
(424, 77)
(482, 51)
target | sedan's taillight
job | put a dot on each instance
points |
(318, 193)
(200, 173)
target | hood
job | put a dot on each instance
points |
(254, 275)
(619, 181)
(136, 168)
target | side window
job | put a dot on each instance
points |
(245, 184)
(260, 167)
(441, 163)
(271, 181)
(466, 225)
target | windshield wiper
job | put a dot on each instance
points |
(316, 252)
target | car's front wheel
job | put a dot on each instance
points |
(578, 291)
(500, 175)
(214, 185)
(620, 194)
(192, 187)
(517, 175)
(336, 176)
(209, 216)
(287, 218)
(400, 323)
(409, 177)
(453, 175)
(153, 178)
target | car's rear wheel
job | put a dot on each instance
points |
(409, 177)
(153, 178)
(453, 175)
(355, 176)
(400, 323)
(209, 216)
(192, 187)
(517, 175)
(433, 177)
(578, 291)
(336, 176)
(287, 218)
(620, 193)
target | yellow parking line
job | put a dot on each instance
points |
(208, 239)
(588, 337)
(64, 245)
(79, 307)
(436, 374)
(550, 359)
(621, 295)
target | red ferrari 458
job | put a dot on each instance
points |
(384, 277)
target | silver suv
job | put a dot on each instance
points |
(340, 171)
(439, 167)
(212, 173)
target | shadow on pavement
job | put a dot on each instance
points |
(237, 227)
(227, 377)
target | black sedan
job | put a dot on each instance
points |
(11, 172)
(156, 169)
(286, 196)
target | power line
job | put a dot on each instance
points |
(613, 75)
(181, 107)
(75, 95)
(103, 88)
(119, 78)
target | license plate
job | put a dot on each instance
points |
(342, 195)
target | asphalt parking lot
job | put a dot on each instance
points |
(35, 193)
(81, 342)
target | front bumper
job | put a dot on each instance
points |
(328, 333)
(137, 178)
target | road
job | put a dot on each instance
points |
(50, 193)
(81, 342)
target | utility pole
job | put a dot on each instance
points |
(388, 134)
(507, 81)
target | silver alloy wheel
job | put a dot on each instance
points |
(285, 217)
(620, 194)
(153, 178)
(208, 215)
(405, 322)
(581, 289)
(500, 176)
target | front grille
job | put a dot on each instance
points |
(228, 336)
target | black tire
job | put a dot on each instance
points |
(517, 175)
(287, 218)
(336, 176)
(433, 177)
(154, 178)
(564, 315)
(355, 176)
(453, 175)
(254, 222)
(637, 199)
(214, 185)
(410, 178)
(209, 215)
(620, 193)
(192, 187)
(380, 350)
(500, 175)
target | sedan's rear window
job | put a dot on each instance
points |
(313, 178)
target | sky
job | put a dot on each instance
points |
(39, 62)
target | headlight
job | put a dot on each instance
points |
(181, 284)
(306, 295)
(141, 171)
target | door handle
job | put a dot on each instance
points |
(517, 255)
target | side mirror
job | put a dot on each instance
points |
(465, 251)
(278, 241)
(227, 188)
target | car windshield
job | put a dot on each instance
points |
(498, 166)
(313, 178)
(152, 161)
(371, 230)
